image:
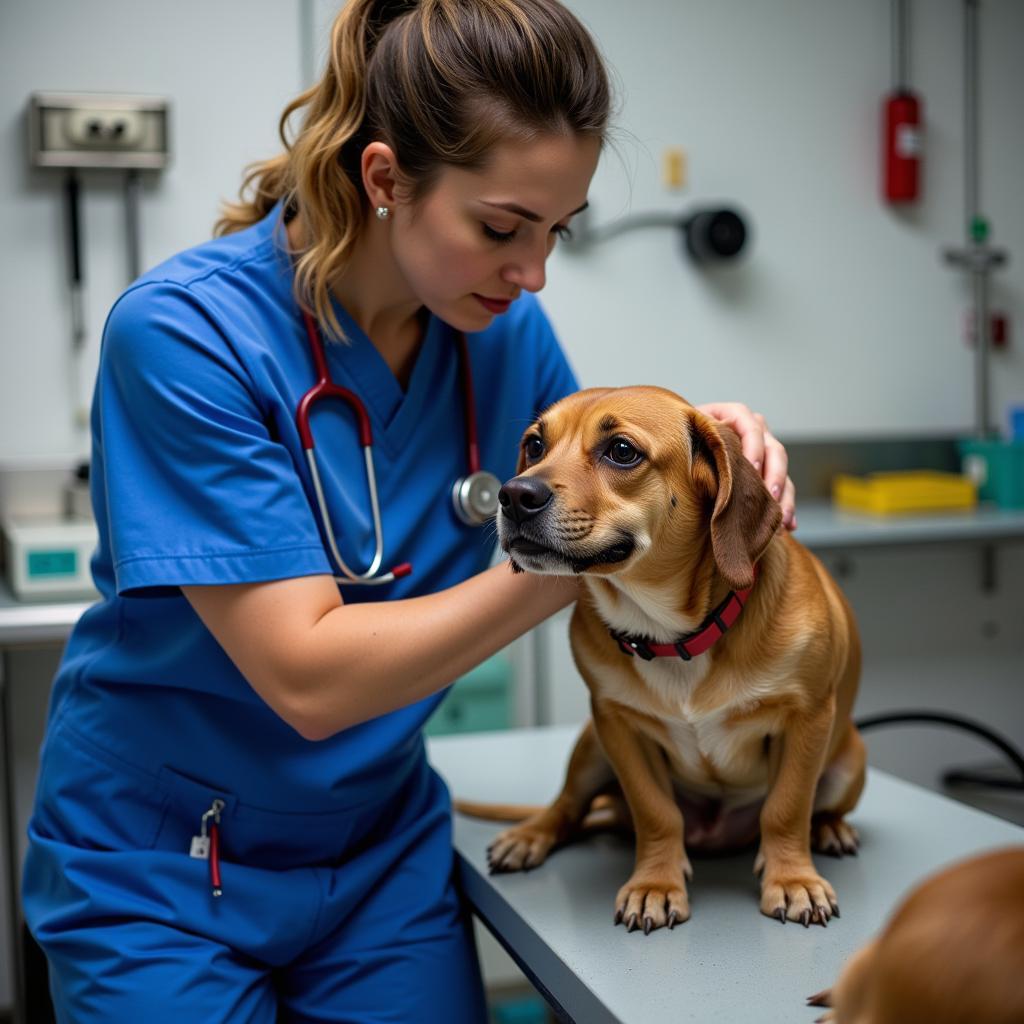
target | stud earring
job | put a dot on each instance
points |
(383, 213)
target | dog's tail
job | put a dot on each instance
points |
(605, 812)
(496, 812)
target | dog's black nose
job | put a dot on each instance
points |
(523, 497)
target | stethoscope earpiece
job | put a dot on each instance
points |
(475, 497)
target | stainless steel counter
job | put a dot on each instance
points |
(822, 526)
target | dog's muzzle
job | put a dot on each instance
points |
(525, 536)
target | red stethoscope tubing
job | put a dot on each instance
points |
(326, 388)
(468, 403)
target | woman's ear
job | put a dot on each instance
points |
(380, 174)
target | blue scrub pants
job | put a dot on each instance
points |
(302, 932)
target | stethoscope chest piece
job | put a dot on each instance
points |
(475, 497)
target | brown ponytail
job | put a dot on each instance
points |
(441, 82)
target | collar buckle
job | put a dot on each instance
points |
(632, 645)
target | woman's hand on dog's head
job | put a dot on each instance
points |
(763, 449)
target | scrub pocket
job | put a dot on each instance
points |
(261, 837)
(88, 798)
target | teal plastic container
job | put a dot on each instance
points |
(524, 1010)
(997, 467)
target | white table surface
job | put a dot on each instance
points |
(728, 962)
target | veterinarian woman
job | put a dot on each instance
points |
(235, 820)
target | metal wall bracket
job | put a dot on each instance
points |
(98, 130)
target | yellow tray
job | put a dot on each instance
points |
(919, 490)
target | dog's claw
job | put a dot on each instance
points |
(648, 925)
(822, 998)
(632, 925)
(805, 918)
(835, 911)
(673, 919)
(780, 913)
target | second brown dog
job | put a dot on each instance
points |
(950, 953)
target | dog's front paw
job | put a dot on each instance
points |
(652, 903)
(520, 848)
(798, 895)
(833, 835)
(823, 999)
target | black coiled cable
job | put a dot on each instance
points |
(957, 776)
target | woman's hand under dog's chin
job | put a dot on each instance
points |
(763, 450)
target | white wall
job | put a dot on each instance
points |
(843, 320)
(228, 68)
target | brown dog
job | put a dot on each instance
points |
(655, 505)
(950, 954)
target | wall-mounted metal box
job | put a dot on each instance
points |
(101, 130)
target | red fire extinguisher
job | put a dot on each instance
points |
(902, 147)
(901, 120)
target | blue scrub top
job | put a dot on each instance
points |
(199, 477)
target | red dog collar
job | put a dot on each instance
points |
(692, 644)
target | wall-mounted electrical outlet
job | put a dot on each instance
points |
(97, 130)
(93, 129)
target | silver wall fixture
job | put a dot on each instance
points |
(978, 257)
(99, 130)
(84, 132)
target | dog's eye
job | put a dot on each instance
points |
(533, 448)
(622, 453)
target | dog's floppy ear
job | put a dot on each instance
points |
(745, 516)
